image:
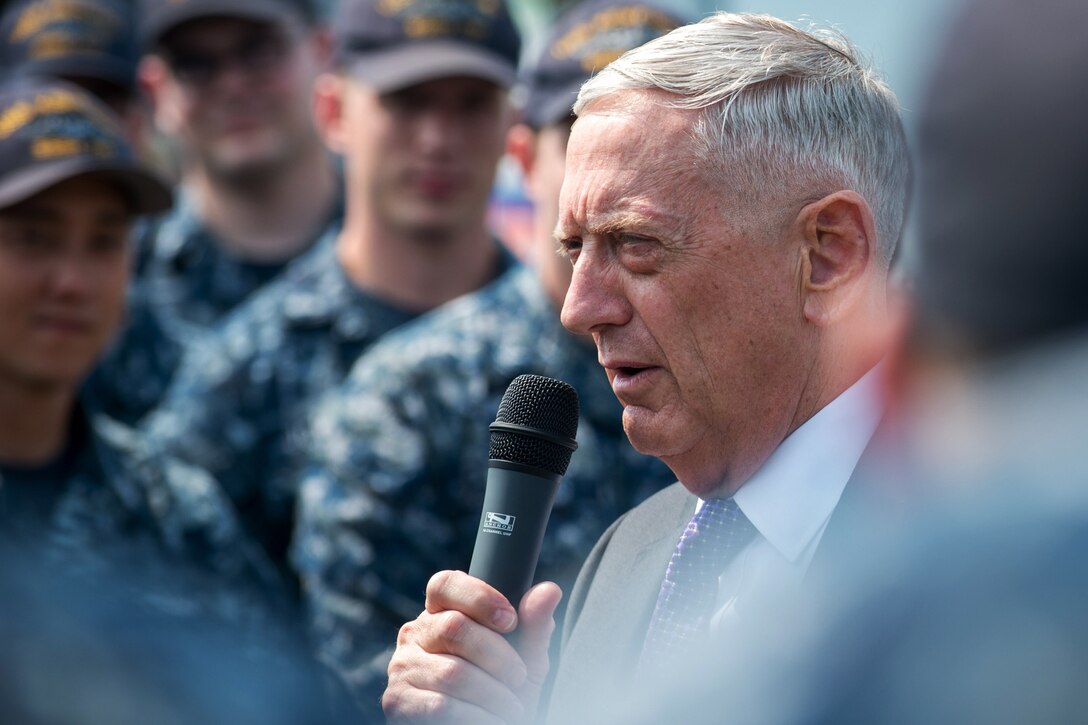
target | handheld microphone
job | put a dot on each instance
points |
(532, 440)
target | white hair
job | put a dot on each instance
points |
(781, 106)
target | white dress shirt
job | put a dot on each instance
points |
(790, 499)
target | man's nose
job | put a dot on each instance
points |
(596, 297)
(438, 131)
(71, 276)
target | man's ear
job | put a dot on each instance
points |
(153, 78)
(328, 100)
(838, 254)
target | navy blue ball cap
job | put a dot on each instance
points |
(76, 39)
(159, 17)
(52, 131)
(582, 41)
(393, 44)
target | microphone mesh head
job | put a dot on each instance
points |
(544, 404)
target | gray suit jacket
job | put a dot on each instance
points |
(611, 603)
(613, 599)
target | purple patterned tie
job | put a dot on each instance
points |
(685, 603)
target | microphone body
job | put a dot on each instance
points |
(532, 441)
(517, 505)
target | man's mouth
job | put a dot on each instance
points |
(630, 377)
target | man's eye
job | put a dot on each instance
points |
(193, 66)
(31, 239)
(569, 248)
(635, 240)
(477, 102)
(638, 253)
(405, 101)
(110, 243)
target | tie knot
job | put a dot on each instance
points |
(717, 528)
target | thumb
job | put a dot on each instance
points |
(536, 623)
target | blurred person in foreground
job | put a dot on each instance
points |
(734, 193)
(103, 649)
(230, 84)
(400, 449)
(419, 111)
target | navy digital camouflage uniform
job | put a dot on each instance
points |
(184, 285)
(136, 370)
(400, 458)
(233, 405)
(118, 508)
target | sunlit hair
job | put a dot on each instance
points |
(783, 108)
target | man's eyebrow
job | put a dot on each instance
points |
(621, 220)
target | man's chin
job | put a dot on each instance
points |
(52, 378)
(644, 430)
(430, 230)
(246, 165)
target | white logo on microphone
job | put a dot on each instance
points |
(499, 523)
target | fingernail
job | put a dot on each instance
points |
(504, 619)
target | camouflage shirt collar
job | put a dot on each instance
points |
(117, 458)
(181, 238)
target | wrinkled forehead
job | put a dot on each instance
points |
(633, 131)
(627, 155)
(648, 111)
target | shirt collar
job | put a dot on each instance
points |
(179, 237)
(791, 497)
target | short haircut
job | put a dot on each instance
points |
(781, 106)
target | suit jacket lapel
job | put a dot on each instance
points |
(621, 581)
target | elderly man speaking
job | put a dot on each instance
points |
(734, 194)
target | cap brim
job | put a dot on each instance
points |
(146, 192)
(545, 108)
(111, 70)
(419, 62)
(163, 21)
